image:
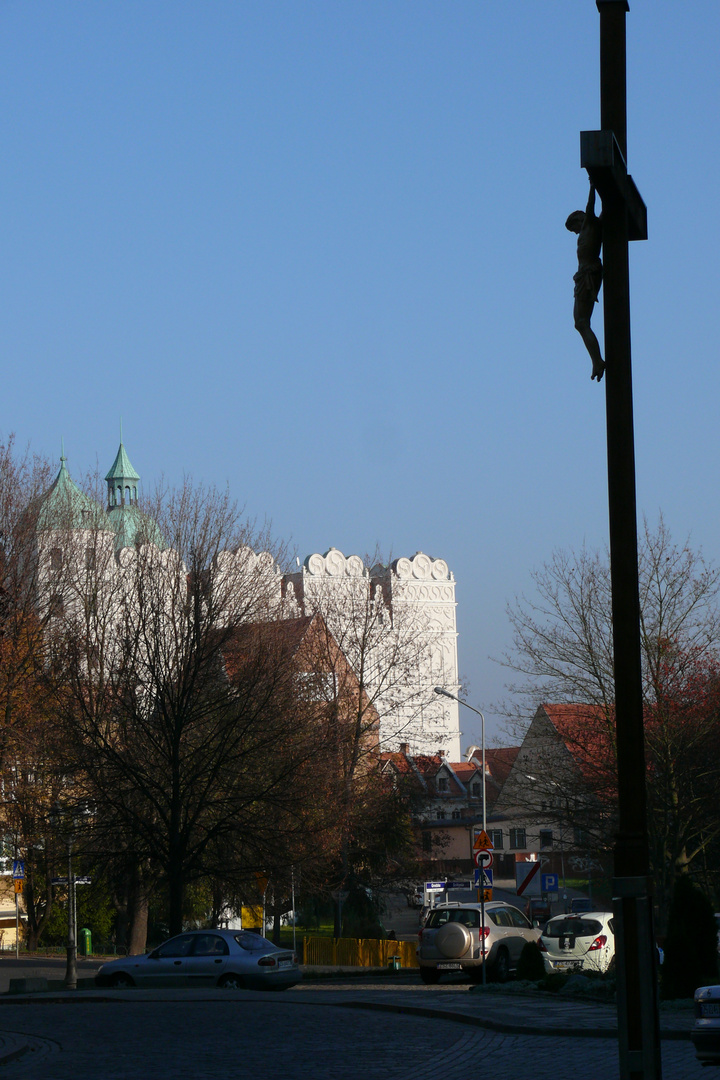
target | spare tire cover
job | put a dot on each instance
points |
(453, 939)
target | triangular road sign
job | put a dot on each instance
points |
(482, 842)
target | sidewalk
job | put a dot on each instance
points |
(510, 1008)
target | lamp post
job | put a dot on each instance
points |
(446, 693)
(59, 820)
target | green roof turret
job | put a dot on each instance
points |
(65, 506)
(131, 525)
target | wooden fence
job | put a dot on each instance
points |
(357, 952)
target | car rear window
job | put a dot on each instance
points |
(578, 927)
(439, 918)
(247, 940)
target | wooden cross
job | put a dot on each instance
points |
(624, 217)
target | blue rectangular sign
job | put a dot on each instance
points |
(549, 882)
(484, 878)
(18, 869)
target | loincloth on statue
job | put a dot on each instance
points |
(588, 280)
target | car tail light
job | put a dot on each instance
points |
(599, 943)
(267, 961)
(541, 945)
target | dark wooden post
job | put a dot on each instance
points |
(604, 154)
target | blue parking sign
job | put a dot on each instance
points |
(549, 883)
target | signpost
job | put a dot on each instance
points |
(483, 859)
(484, 880)
(527, 876)
(18, 879)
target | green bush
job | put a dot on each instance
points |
(691, 958)
(531, 965)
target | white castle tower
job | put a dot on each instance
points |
(400, 616)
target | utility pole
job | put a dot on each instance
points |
(604, 154)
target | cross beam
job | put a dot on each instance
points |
(603, 159)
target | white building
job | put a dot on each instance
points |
(397, 621)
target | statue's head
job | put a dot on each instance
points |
(576, 221)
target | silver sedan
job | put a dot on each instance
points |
(234, 959)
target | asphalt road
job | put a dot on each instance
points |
(351, 1029)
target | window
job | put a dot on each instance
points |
(443, 784)
(476, 789)
(580, 837)
(427, 841)
(179, 946)
(56, 559)
(210, 945)
(441, 815)
(496, 838)
(517, 838)
(456, 814)
(546, 838)
(90, 557)
(518, 919)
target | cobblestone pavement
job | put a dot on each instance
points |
(341, 1031)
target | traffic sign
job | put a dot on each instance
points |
(435, 886)
(483, 858)
(487, 895)
(482, 841)
(18, 869)
(484, 879)
(18, 883)
(549, 882)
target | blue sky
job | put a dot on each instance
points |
(316, 250)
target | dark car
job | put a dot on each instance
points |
(538, 910)
(706, 1032)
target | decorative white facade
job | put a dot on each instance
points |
(399, 619)
(395, 624)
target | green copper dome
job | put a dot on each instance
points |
(65, 506)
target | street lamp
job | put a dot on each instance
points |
(64, 825)
(446, 693)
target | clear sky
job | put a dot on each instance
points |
(316, 250)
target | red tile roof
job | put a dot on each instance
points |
(588, 733)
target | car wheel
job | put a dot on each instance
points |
(121, 981)
(501, 969)
(429, 975)
(231, 982)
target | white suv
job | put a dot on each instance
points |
(450, 940)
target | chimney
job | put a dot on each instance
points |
(404, 748)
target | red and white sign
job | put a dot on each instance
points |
(527, 877)
(483, 858)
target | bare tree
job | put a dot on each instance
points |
(563, 651)
(175, 747)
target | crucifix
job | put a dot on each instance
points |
(624, 217)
